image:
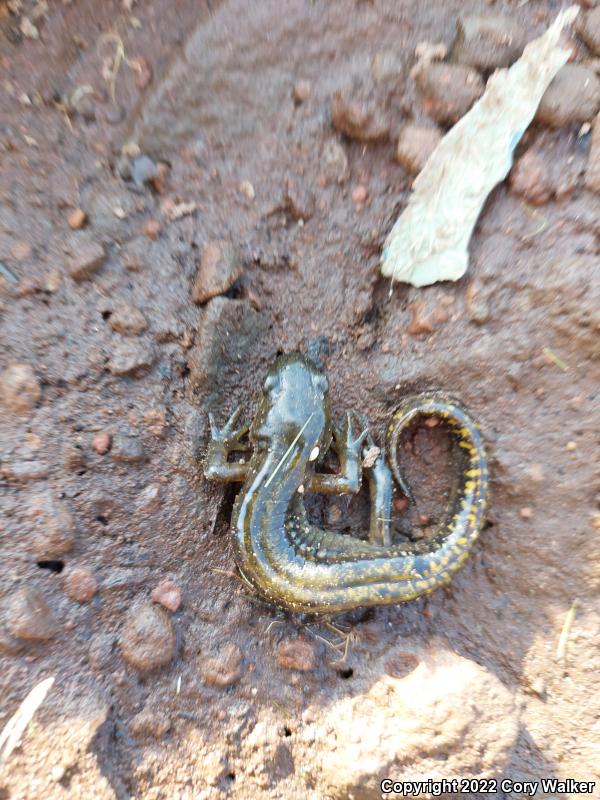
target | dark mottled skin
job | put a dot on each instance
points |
(299, 566)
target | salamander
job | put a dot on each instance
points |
(301, 567)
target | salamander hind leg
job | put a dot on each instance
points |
(348, 448)
(381, 489)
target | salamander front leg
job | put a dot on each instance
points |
(348, 449)
(224, 441)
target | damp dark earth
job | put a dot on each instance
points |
(188, 189)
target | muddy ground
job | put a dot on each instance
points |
(109, 370)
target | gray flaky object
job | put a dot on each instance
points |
(429, 241)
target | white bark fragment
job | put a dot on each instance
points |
(429, 241)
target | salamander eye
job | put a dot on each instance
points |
(271, 383)
(321, 383)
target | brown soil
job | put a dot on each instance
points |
(102, 494)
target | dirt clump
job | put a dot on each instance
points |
(446, 705)
(487, 42)
(147, 640)
(29, 617)
(87, 258)
(448, 90)
(356, 113)
(573, 96)
(20, 388)
(224, 669)
(220, 267)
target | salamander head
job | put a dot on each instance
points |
(294, 402)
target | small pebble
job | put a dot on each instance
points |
(143, 72)
(24, 471)
(28, 616)
(128, 320)
(73, 457)
(355, 112)
(21, 250)
(131, 149)
(159, 182)
(247, 189)
(335, 161)
(100, 651)
(148, 639)
(53, 281)
(220, 267)
(302, 90)
(298, 654)
(477, 306)
(526, 513)
(149, 498)
(127, 449)
(143, 170)
(57, 773)
(55, 529)
(400, 504)
(130, 359)
(76, 219)
(576, 402)
(168, 595)
(538, 687)
(431, 51)
(151, 724)
(299, 201)
(134, 253)
(387, 67)
(87, 258)
(224, 669)
(152, 229)
(28, 29)
(531, 179)
(155, 422)
(420, 322)
(101, 442)
(360, 194)
(20, 389)
(80, 584)
(536, 471)
(571, 446)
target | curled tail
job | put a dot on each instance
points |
(444, 554)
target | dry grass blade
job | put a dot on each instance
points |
(563, 642)
(14, 728)
(288, 451)
(551, 355)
